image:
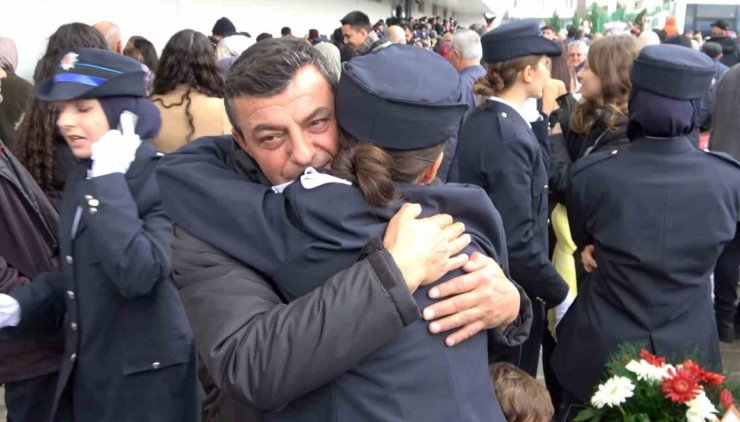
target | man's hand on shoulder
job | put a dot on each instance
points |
(481, 299)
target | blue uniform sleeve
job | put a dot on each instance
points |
(197, 185)
(132, 244)
(42, 300)
(576, 212)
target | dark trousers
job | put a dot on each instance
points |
(726, 275)
(551, 381)
(31, 400)
(526, 356)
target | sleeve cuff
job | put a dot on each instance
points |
(518, 331)
(390, 277)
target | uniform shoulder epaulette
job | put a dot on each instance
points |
(592, 159)
(723, 156)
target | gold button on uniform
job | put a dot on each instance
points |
(93, 210)
(93, 202)
(70, 294)
(73, 326)
(69, 259)
(73, 357)
(156, 365)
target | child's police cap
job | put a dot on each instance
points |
(400, 97)
(673, 71)
(93, 73)
(517, 39)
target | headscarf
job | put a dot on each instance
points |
(659, 116)
(8, 54)
(149, 121)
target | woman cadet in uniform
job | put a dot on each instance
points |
(658, 215)
(129, 352)
(502, 152)
(322, 222)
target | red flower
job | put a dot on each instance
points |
(702, 375)
(680, 386)
(651, 358)
(725, 397)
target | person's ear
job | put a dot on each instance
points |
(431, 172)
(528, 74)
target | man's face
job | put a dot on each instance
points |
(290, 131)
(409, 35)
(718, 32)
(550, 34)
(353, 37)
(576, 56)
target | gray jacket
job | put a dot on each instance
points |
(267, 353)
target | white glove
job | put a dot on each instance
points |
(10, 311)
(562, 309)
(115, 151)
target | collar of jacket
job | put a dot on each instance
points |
(241, 163)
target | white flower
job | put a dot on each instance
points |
(701, 409)
(647, 372)
(615, 391)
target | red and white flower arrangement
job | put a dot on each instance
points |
(643, 387)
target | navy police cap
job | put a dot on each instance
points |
(673, 71)
(400, 97)
(93, 73)
(517, 39)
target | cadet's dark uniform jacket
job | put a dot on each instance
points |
(129, 352)
(499, 152)
(659, 215)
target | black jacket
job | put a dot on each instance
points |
(28, 246)
(129, 352)
(658, 214)
(569, 146)
(730, 53)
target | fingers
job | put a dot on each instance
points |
(477, 262)
(453, 231)
(457, 306)
(408, 211)
(440, 220)
(459, 284)
(456, 262)
(587, 257)
(459, 244)
(464, 333)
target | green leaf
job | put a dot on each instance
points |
(585, 415)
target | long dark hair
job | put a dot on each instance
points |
(374, 170)
(34, 145)
(188, 59)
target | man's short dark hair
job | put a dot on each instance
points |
(263, 36)
(357, 20)
(547, 28)
(286, 31)
(267, 67)
(712, 49)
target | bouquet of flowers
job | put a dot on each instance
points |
(646, 388)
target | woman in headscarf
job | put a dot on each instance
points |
(17, 93)
(38, 145)
(129, 352)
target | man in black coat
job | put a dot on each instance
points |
(262, 352)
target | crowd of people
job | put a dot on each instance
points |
(400, 221)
